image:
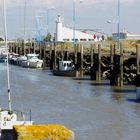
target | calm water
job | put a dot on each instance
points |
(93, 110)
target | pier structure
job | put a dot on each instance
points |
(99, 59)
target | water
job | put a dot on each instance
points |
(93, 110)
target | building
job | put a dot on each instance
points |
(125, 35)
(66, 34)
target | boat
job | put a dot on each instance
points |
(9, 118)
(13, 58)
(3, 59)
(65, 68)
(21, 60)
(32, 61)
(3, 54)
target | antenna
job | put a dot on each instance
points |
(8, 77)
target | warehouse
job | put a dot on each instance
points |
(66, 34)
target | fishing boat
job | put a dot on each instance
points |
(13, 58)
(32, 61)
(3, 54)
(21, 61)
(2, 59)
(65, 68)
(9, 118)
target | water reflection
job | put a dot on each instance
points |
(117, 97)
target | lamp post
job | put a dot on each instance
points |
(73, 23)
(47, 12)
(25, 6)
(74, 19)
(118, 24)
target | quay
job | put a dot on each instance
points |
(100, 60)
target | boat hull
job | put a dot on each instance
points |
(35, 64)
(68, 73)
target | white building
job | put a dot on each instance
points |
(131, 35)
(65, 34)
(125, 35)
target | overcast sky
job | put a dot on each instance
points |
(91, 14)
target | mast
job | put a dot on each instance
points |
(8, 77)
(25, 6)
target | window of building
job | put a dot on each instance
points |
(83, 39)
(90, 39)
(66, 39)
(75, 40)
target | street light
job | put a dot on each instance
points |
(118, 23)
(48, 9)
(25, 7)
(47, 14)
(74, 19)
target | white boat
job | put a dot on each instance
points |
(65, 68)
(13, 58)
(21, 60)
(8, 118)
(33, 61)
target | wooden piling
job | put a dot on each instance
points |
(16, 47)
(93, 69)
(79, 60)
(82, 67)
(121, 66)
(62, 52)
(138, 59)
(91, 54)
(116, 69)
(75, 58)
(66, 54)
(44, 56)
(99, 64)
(30, 46)
(138, 72)
(52, 57)
(55, 57)
(112, 53)
(40, 50)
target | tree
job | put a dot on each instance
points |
(48, 38)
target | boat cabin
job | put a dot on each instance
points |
(65, 65)
(30, 56)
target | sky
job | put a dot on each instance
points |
(90, 14)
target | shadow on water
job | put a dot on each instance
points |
(81, 79)
(100, 84)
(133, 100)
(117, 96)
(124, 90)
